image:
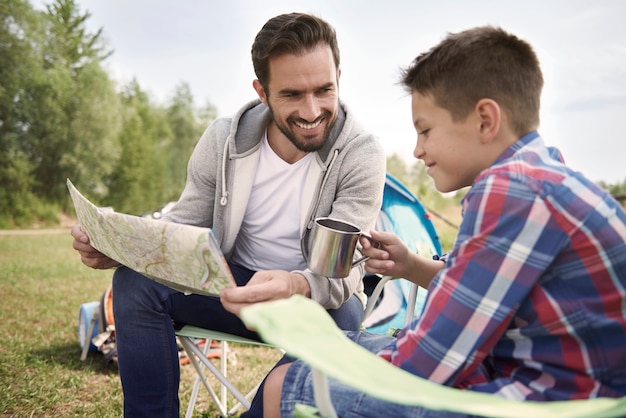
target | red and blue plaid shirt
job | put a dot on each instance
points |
(532, 301)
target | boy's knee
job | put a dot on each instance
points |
(272, 391)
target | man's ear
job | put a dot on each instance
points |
(490, 119)
(260, 91)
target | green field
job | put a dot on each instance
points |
(42, 285)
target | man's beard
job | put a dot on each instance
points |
(305, 146)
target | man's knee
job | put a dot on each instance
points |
(132, 290)
(348, 316)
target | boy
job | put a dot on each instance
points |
(529, 304)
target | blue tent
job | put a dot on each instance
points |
(403, 214)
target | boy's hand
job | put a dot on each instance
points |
(391, 258)
(89, 255)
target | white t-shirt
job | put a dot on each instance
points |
(269, 238)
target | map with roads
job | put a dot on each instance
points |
(184, 257)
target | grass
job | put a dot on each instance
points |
(42, 285)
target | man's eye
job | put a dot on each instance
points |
(424, 132)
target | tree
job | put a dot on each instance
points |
(617, 190)
(72, 101)
(138, 182)
(19, 37)
(93, 149)
(396, 166)
(186, 129)
(423, 185)
(61, 116)
(69, 40)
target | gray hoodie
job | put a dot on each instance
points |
(345, 181)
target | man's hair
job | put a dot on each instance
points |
(483, 62)
(292, 33)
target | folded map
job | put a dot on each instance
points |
(184, 257)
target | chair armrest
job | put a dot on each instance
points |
(305, 330)
(371, 300)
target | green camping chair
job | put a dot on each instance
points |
(304, 330)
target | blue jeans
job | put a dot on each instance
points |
(146, 313)
(348, 402)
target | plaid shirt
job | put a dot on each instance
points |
(532, 301)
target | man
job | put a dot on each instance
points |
(530, 302)
(258, 179)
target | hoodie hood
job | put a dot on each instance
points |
(249, 124)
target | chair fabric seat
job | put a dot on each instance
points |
(305, 331)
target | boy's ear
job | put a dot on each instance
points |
(490, 119)
(260, 91)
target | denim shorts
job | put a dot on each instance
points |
(348, 402)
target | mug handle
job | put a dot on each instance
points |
(363, 259)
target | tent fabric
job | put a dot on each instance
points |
(403, 214)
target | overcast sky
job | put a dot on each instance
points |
(581, 45)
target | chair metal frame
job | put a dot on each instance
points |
(201, 363)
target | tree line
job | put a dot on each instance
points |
(62, 116)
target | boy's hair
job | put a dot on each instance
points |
(483, 62)
(292, 33)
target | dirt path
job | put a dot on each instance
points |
(34, 231)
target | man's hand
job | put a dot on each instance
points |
(89, 255)
(263, 287)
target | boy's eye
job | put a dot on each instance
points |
(424, 132)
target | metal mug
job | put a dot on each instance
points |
(332, 244)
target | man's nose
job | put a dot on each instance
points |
(310, 109)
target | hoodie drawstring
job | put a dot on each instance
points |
(224, 198)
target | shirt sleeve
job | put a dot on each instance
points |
(505, 243)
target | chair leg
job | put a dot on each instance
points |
(321, 392)
(194, 396)
(371, 301)
(248, 396)
(224, 367)
(200, 378)
(197, 356)
(410, 305)
(198, 360)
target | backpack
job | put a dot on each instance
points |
(105, 340)
(103, 335)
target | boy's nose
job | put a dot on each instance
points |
(418, 151)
